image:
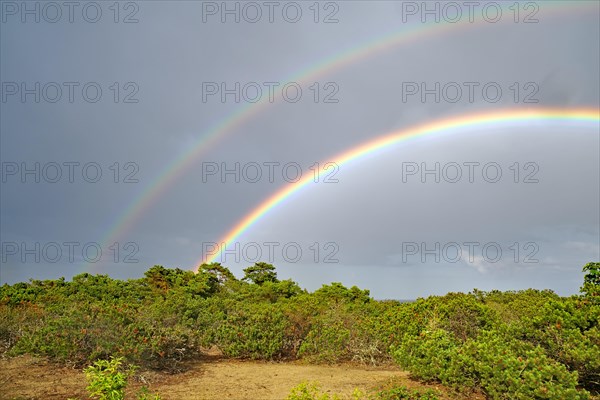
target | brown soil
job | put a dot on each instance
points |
(214, 378)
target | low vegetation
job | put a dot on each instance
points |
(506, 345)
(311, 391)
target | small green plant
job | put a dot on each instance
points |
(358, 394)
(402, 393)
(144, 394)
(106, 379)
(395, 390)
(309, 391)
(312, 391)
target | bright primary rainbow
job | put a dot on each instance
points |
(495, 119)
(187, 158)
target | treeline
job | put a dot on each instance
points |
(517, 345)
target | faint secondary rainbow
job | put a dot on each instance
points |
(495, 119)
(148, 195)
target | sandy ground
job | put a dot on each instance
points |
(214, 378)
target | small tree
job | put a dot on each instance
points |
(220, 273)
(591, 280)
(260, 273)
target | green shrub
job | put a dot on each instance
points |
(526, 344)
(255, 332)
(427, 356)
(107, 380)
(501, 367)
(17, 321)
(568, 332)
(328, 338)
(506, 369)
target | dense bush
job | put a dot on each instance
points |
(545, 354)
(568, 332)
(329, 337)
(428, 356)
(506, 369)
(517, 345)
(252, 332)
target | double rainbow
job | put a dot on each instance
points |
(181, 164)
(479, 121)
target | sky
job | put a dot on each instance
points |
(112, 159)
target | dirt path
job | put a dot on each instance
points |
(250, 380)
(31, 378)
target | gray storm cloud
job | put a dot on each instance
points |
(169, 54)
